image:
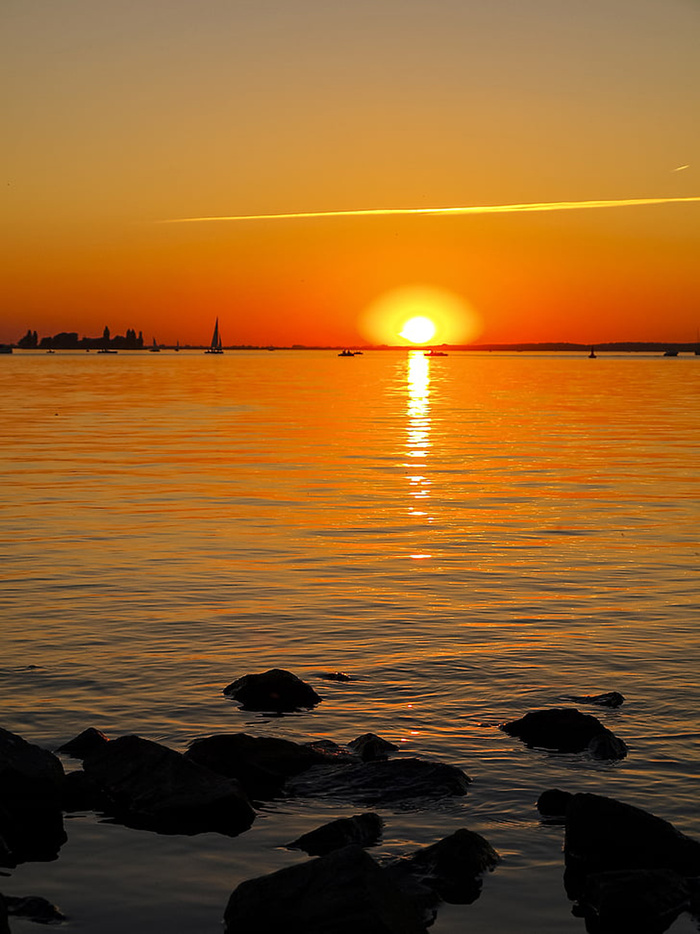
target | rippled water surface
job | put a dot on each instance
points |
(469, 537)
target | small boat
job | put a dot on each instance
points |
(435, 353)
(215, 346)
(670, 353)
(346, 353)
(592, 354)
(106, 350)
(154, 348)
(176, 348)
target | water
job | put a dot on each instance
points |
(469, 537)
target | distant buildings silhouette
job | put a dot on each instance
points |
(69, 340)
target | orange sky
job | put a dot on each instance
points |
(124, 115)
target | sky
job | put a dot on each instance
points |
(129, 126)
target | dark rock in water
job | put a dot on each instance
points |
(646, 901)
(604, 834)
(554, 803)
(451, 867)
(31, 784)
(34, 908)
(4, 926)
(84, 743)
(609, 699)
(370, 746)
(151, 786)
(274, 691)
(82, 794)
(343, 893)
(261, 764)
(381, 782)
(565, 729)
(334, 676)
(362, 829)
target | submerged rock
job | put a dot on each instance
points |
(334, 676)
(554, 802)
(31, 785)
(273, 691)
(148, 785)
(565, 729)
(370, 746)
(345, 892)
(381, 782)
(609, 699)
(451, 868)
(362, 829)
(262, 764)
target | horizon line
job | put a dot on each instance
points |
(467, 209)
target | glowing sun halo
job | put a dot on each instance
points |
(418, 330)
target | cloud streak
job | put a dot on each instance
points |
(471, 209)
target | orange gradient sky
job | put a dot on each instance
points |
(122, 116)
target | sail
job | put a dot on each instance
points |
(216, 346)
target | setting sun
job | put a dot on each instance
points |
(418, 330)
(419, 314)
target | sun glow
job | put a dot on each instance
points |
(418, 330)
(418, 314)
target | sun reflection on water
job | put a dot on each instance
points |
(418, 441)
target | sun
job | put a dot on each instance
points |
(420, 314)
(418, 330)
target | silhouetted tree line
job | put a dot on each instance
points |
(69, 340)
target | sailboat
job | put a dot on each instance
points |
(154, 348)
(215, 346)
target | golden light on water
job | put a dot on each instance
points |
(419, 314)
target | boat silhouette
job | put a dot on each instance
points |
(215, 346)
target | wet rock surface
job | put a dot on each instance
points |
(345, 892)
(151, 786)
(84, 743)
(381, 782)
(273, 691)
(608, 699)
(370, 746)
(646, 901)
(362, 830)
(565, 729)
(31, 786)
(34, 908)
(261, 764)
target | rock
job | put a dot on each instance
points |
(604, 834)
(151, 786)
(84, 743)
(646, 901)
(345, 892)
(334, 676)
(274, 691)
(261, 764)
(554, 803)
(31, 784)
(381, 782)
(565, 729)
(609, 699)
(82, 794)
(34, 908)
(370, 746)
(362, 829)
(451, 867)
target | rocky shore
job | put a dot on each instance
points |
(624, 869)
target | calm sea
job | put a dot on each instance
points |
(469, 537)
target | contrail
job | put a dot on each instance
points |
(476, 209)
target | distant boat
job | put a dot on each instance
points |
(5, 348)
(346, 353)
(435, 353)
(176, 348)
(215, 346)
(670, 353)
(592, 354)
(106, 350)
(154, 348)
